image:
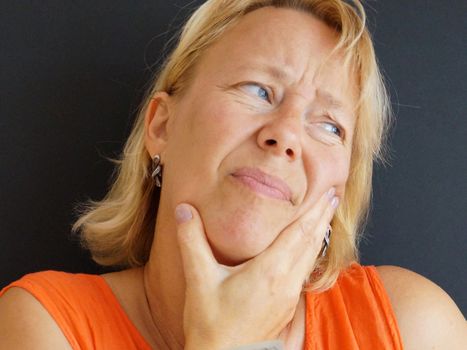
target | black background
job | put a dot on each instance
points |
(73, 74)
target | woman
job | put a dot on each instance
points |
(261, 131)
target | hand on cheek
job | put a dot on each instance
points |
(231, 306)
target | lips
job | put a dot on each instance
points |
(263, 183)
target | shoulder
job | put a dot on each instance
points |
(26, 324)
(40, 310)
(427, 317)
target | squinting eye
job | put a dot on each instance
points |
(257, 90)
(332, 128)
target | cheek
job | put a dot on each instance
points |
(212, 124)
(196, 131)
(206, 129)
(340, 168)
(328, 169)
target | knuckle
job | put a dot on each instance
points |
(185, 235)
(274, 275)
(307, 232)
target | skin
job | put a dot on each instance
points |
(221, 100)
(221, 124)
(229, 234)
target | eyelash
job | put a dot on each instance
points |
(337, 127)
(268, 93)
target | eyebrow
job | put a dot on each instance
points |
(330, 100)
(273, 71)
(341, 114)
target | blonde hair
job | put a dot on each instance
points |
(119, 229)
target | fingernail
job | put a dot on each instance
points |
(335, 202)
(183, 213)
(331, 193)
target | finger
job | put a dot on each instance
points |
(307, 260)
(292, 238)
(303, 237)
(197, 257)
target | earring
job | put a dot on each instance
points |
(326, 241)
(156, 171)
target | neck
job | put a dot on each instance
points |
(165, 285)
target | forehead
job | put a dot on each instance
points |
(286, 35)
(288, 45)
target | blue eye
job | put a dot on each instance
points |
(333, 129)
(257, 90)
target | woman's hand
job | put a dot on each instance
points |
(254, 301)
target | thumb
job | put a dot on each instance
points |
(197, 257)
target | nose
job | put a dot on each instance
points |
(281, 136)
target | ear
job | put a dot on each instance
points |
(155, 123)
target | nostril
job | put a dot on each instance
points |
(289, 152)
(270, 142)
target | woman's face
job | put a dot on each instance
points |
(263, 130)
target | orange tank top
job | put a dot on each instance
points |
(354, 314)
(85, 309)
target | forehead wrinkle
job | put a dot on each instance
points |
(273, 71)
(322, 96)
(343, 112)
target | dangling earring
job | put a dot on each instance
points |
(156, 171)
(326, 241)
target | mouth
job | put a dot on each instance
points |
(264, 184)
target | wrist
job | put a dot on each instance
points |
(265, 345)
(192, 344)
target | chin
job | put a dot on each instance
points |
(234, 255)
(240, 239)
(240, 224)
